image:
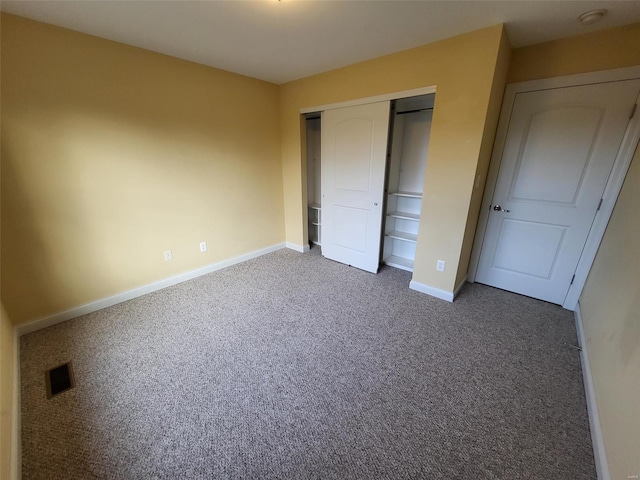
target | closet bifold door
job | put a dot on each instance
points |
(354, 146)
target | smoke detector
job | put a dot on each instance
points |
(592, 16)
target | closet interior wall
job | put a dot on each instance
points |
(314, 189)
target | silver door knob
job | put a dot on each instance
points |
(498, 208)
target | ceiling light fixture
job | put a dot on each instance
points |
(592, 16)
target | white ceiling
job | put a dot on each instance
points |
(279, 41)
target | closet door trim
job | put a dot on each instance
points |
(375, 99)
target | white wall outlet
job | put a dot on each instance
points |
(440, 266)
(168, 256)
(203, 246)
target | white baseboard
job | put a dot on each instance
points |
(434, 292)
(298, 248)
(15, 472)
(45, 322)
(599, 452)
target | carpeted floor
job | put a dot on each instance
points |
(291, 366)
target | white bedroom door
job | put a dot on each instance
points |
(354, 149)
(559, 151)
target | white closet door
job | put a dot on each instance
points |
(354, 148)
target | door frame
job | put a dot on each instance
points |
(612, 188)
(416, 92)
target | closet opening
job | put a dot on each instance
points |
(314, 191)
(409, 132)
(340, 152)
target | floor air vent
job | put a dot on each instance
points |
(59, 379)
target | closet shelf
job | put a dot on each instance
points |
(409, 237)
(407, 194)
(399, 262)
(405, 215)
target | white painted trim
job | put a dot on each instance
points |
(15, 468)
(378, 98)
(609, 198)
(434, 292)
(597, 440)
(56, 318)
(297, 248)
(612, 190)
(492, 176)
(601, 76)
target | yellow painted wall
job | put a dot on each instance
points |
(8, 410)
(7, 374)
(463, 69)
(601, 50)
(610, 301)
(610, 306)
(486, 148)
(112, 154)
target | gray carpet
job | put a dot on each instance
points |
(291, 366)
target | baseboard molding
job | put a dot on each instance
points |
(15, 468)
(297, 248)
(56, 318)
(434, 292)
(599, 452)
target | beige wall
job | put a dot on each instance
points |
(486, 148)
(610, 306)
(464, 71)
(602, 50)
(610, 301)
(112, 154)
(7, 378)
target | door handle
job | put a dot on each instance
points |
(498, 208)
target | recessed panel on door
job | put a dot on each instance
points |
(551, 167)
(353, 149)
(558, 153)
(528, 248)
(351, 228)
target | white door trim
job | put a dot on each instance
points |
(614, 184)
(378, 98)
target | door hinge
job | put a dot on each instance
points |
(633, 111)
(599, 205)
(572, 279)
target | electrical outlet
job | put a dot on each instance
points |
(440, 266)
(203, 246)
(168, 256)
